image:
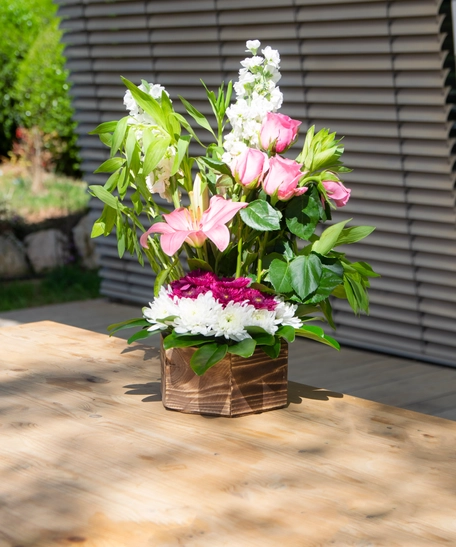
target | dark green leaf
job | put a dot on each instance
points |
(196, 263)
(287, 332)
(261, 216)
(140, 335)
(207, 356)
(261, 336)
(245, 348)
(302, 215)
(305, 274)
(273, 350)
(183, 341)
(217, 165)
(317, 334)
(280, 276)
(130, 323)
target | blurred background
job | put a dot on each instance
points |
(380, 73)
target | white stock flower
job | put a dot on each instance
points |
(252, 46)
(136, 112)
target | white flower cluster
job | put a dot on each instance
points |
(205, 315)
(256, 95)
(136, 112)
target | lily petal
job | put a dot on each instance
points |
(220, 235)
(220, 211)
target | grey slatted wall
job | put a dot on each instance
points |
(374, 71)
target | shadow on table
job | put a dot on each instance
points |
(297, 392)
(151, 389)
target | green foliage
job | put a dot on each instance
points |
(64, 284)
(33, 81)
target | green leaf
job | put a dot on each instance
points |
(146, 102)
(140, 335)
(273, 350)
(174, 340)
(196, 263)
(260, 215)
(217, 165)
(302, 215)
(97, 229)
(110, 165)
(207, 356)
(159, 280)
(111, 184)
(105, 127)
(155, 153)
(329, 238)
(245, 348)
(354, 234)
(287, 332)
(326, 308)
(182, 147)
(317, 334)
(188, 127)
(119, 135)
(364, 269)
(197, 116)
(104, 196)
(305, 274)
(261, 336)
(280, 276)
(331, 277)
(130, 323)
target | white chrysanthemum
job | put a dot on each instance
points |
(252, 46)
(197, 316)
(285, 315)
(231, 321)
(265, 319)
(162, 307)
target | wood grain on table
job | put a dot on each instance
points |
(89, 456)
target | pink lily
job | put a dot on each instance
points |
(184, 225)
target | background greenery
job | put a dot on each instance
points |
(34, 90)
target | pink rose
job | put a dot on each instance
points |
(278, 132)
(337, 192)
(283, 178)
(249, 167)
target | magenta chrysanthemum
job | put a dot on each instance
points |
(224, 290)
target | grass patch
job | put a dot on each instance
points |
(65, 284)
(61, 196)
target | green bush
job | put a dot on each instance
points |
(33, 81)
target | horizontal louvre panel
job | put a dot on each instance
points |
(371, 70)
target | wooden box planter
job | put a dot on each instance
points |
(233, 387)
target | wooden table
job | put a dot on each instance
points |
(89, 456)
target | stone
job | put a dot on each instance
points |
(84, 244)
(47, 249)
(13, 259)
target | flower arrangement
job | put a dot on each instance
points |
(261, 268)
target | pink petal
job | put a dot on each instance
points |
(220, 235)
(220, 211)
(179, 219)
(172, 242)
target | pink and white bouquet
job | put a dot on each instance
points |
(261, 268)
